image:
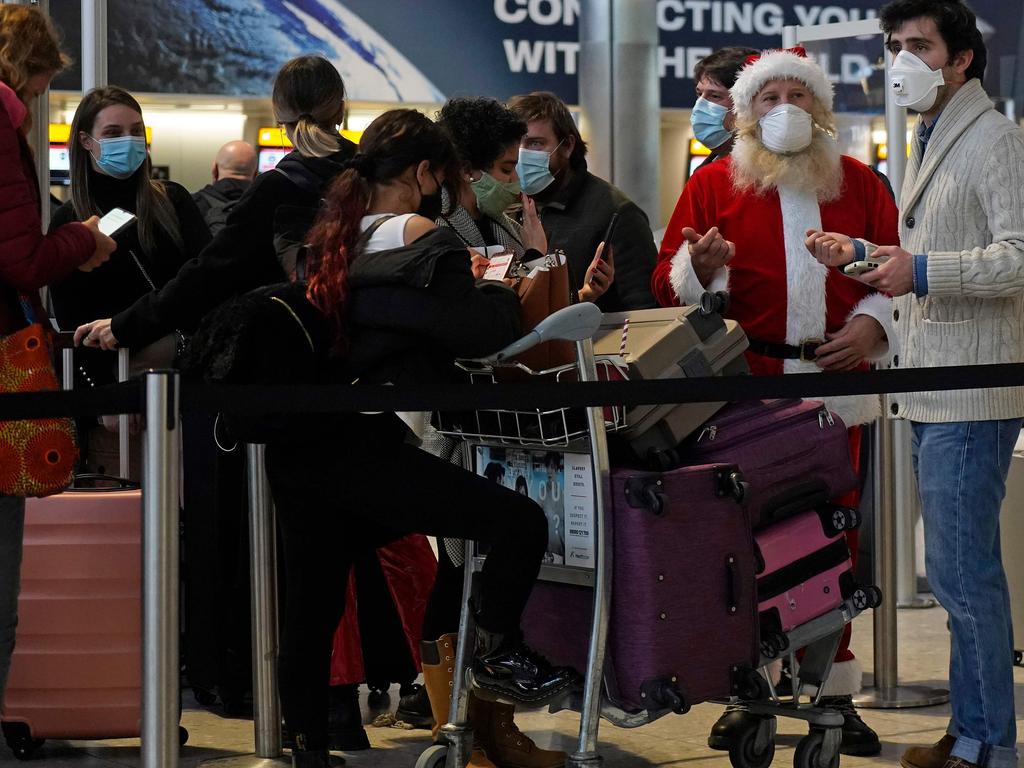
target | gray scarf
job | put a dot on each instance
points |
(506, 231)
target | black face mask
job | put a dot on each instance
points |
(430, 205)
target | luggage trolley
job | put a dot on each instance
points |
(585, 431)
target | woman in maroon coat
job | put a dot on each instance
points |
(29, 59)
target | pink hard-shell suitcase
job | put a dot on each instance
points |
(77, 664)
(804, 571)
(76, 672)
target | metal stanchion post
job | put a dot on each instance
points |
(160, 672)
(263, 581)
(886, 693)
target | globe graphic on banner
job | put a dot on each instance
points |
(235, 47)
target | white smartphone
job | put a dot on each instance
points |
(115, 221)
(855, 268)
(499, 267)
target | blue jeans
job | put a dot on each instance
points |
(961, 471)
(12, 527)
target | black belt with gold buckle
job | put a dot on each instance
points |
(806, 351)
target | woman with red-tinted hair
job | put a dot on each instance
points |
(402, 301)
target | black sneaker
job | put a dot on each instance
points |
(514, 671)
(727, 729)
(858, 738)
(414, 708)
(311, 758)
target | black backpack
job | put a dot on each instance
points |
(293, 222)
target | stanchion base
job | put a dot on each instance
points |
(901, 697)
(919, 602)
(248, 761)
(584, 761)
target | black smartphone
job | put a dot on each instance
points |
(608, 234)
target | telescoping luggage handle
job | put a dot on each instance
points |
(66, 343)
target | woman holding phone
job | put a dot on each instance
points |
(30, 58)
(110, 174)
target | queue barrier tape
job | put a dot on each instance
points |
(539, 394)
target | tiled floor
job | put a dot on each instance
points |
(672, 741)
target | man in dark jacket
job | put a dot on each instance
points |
(233, 171)
(577, 207)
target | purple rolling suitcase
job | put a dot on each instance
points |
(683, 621)
(793, 453)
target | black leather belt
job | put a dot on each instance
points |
(807, 350)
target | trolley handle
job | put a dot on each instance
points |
(572, 323)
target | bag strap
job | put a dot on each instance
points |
(301, 177)
(368, 233)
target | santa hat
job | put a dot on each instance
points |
(791, 64)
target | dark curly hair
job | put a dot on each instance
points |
(956, 22)
(480, 129)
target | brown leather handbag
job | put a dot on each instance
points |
(543, 290)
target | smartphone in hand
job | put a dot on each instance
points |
(116, 220)
(855, 268)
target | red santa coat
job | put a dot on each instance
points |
(778, 292)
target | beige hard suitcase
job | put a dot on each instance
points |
(1011, 527)
(670, 343)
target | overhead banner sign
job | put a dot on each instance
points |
(428, 50)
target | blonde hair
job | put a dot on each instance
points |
(29, 46)
(309, 96)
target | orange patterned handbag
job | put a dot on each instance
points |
(37, 456)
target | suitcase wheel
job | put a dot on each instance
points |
(19, 739)
(754, 746)
(1018, 658)
(809, 752)
(182, 735)
(867, 597)
(772, 644)
(433, 756)
(663, 693)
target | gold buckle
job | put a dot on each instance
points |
(809, 347)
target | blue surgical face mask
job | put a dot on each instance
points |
(121, 156)
(708, 121)
(534, 170)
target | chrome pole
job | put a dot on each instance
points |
(263, 576)
(894, 497)
(590, 717)
(124, 457)
(160, 673)
(94, 44)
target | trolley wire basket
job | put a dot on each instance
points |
(550, 428)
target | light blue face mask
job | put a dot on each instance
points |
(708, 121)
(534, 170)
(121, 156)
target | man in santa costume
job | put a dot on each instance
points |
(741, 225)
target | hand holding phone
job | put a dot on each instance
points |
(115, 221)
(856, 268)
(609, 233)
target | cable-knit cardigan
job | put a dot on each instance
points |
(963, 205)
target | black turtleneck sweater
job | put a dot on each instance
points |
(241, 257)
(114, 286)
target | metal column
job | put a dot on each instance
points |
(160, 662)
(94, 44)
(263, 582)
(895, 500)
(619, 97)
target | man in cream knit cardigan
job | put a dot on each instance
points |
(959, 279)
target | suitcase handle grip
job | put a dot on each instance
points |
(117, 483)
(732, 583)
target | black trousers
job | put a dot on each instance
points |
(343, 489)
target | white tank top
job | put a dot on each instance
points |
(390, 234)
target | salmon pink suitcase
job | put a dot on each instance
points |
(804, 571)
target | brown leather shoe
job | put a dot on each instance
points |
(935, 756)
(502, 740)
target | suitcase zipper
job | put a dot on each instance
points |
(711, 431)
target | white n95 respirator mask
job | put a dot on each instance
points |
(914, 84)
(787, 129)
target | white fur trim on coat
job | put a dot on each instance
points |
(845, 679)
(684, 280)
(778, 65)
(878, 306)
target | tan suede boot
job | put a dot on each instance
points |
(502, 740)
(438, 661)
(934, 756)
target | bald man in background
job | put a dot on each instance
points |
(233, 171)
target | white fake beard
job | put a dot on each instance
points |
(816, 168)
